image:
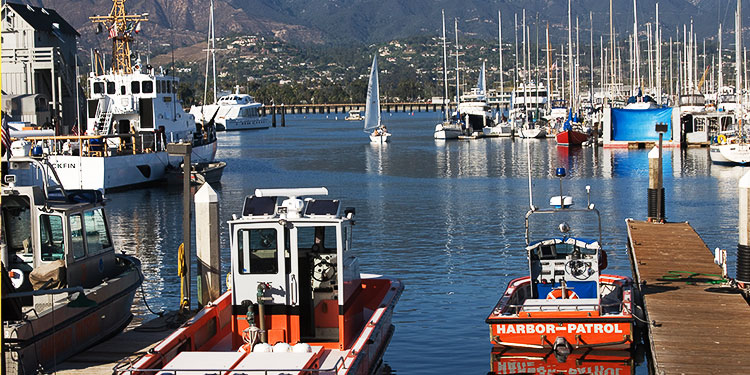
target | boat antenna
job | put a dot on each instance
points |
(121, 27)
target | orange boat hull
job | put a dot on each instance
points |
(583, 327)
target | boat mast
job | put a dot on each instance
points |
(458, 86)
(515, 45)
(525, 67)
(721, 71)
(445, 71)
(570, 58)
(500, 50)
(120, 26)
(737, 61)
(636, 47)
(658, 57)
(549, 87)
(210, 50)
(591, 62)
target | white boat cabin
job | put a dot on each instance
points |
(293, 255)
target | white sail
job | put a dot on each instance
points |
(372, 110)
(482, 86)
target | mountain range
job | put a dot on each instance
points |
(342, 22)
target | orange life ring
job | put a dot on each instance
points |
(557, 293)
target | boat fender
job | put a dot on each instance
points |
(301, 348)
(557, 293)
(262, 348)
(603, 260)
(282, 347)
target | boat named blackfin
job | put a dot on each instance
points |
(297, 303)
(565, 303)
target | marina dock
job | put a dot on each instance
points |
(695, 327)
(121, 349)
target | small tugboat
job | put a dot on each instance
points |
(297, 302)
(64, 287)
(565, 303)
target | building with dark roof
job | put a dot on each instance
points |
(39, 57)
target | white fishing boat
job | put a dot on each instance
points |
(65, 288)
(504, 128)
(530, 130)
(376, 130)
(448, 129)
(474, 109)
(133, 113)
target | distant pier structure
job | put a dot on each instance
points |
(346, 107)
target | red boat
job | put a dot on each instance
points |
(571, 137)
(297, 304)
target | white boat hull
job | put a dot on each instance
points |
(533, 133)
(730, 154)
(382, 138)
(114, 172)
(443, 131)
(248, 123)
(503, 130)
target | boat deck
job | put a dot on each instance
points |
(697, 327)
(123, 348)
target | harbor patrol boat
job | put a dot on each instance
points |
(64, 287)
(297, 302)
(133, 113)
(565, 303)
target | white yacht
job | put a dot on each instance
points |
(233, 112)
(354, 115)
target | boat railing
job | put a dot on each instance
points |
(102, 145)
(340, 363)
(546, 307)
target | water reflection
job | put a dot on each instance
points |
(531, 361)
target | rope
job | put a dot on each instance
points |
(182, 272)
(143, 295)
(690, 277)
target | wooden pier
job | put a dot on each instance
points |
(121, 349)
(696, 327)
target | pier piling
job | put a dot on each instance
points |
(743, 247)
(273, 113)
(655, 188)
(283, 116)
(207, 244)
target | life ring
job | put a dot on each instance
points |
(722, 139)
(557, 294)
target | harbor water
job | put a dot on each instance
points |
(446, 217)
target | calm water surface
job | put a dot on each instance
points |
(444, 217)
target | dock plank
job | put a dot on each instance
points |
(126, 346)
(700, 328)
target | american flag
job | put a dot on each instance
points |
(74, 129)
(112, 31)
(5, 134)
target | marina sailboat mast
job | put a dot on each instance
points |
(445, 72)
(738, 60)
(120, 27)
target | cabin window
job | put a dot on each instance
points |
(319, 239)
(148, 87)
(122, 90)
(174, 86)
(98, 87)
(41, 104)
(158, 87)
(17, 224)
(135, 87)
(110, 88)
(52, 237)
(258, 251)
(97, 238)
(76, 237)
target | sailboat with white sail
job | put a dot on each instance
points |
(373, 126)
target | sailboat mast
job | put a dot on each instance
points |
(445, 71)
(591, 57)
(515, 44)
(500, 48)
(549, 87)
(525, 66)
(636, 46)
(721, 59)
(213, 48)
(658, 57)
(570, 57)
(737, 61)
(610, 92)
(458, 84)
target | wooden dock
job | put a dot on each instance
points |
(123, 348)
(696, 326)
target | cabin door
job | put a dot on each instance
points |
(260, 252)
